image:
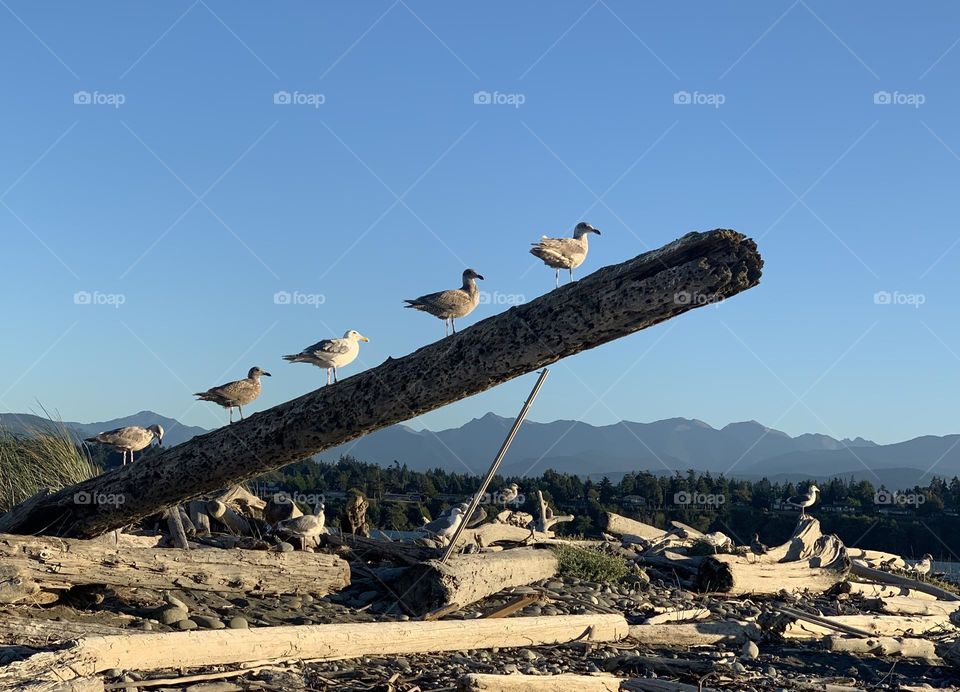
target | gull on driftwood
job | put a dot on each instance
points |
(449, 305)
(235, 394)
(331, 353)
(446, 525)
(807, 499)
(508, 494)
(565, 253)
(307, 527)
(130, 439)
(923, 567)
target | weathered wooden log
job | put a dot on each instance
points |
(547, 518)
(152, 651)
(874, 625)
(228, 517)
(57, 564)
(487, 682)
(38, 632)
(465, 579)
(408, 553)
(901, 605)
(199, 517)
(868, 590)
(699, 634)
(178, 534)
(907, 647)
(622, 526)
(861, 570)
(613, 302)
(683, 615)
(658, 685)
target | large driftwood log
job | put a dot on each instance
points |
(907, 647)
(465, 579)
(700, 634)
(622, 526)
(56, 564)
(38, 632)
(613, 302)
(862, 570)
(868, 590)
(152, 651)
(875, 625)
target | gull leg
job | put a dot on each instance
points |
(240, 409)
(453, 325)
(558, 278)
(328, 376)
(571, 276)
(124, 457)
(230, 413)
(335, 375)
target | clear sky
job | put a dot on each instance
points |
(146, 160)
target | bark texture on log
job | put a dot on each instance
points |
(622, 526)
(56, 564)
(39, 632)
(907, 647)
(485, 682)
(465, 579)
(700, 634)
(201, 648)
(613, 302)
(876, 625)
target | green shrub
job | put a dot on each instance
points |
(589, 565)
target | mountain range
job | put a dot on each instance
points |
(745, 450)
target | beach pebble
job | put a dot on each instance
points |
(750, 651)
(238, 623)
(172, 615)
(174, 601)
(187, 625)
(207, 622)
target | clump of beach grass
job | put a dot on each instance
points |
(40, 457)
(589, 565)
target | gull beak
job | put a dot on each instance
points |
(268, 374)
(363, 338)
(480, 276)
(596, 230)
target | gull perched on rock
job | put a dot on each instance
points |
(235, 394)
(331, 353)
(449, 305)
(805, 500)
(565, 253)
(130, 439)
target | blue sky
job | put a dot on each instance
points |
(184, 189)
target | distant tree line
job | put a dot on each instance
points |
(910, 522)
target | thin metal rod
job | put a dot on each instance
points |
(496, 464)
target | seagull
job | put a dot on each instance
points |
(923, 567)
(331, 353)
(756, 547)
(479, 514)
(131, 439)
(449, 305)
(805, 500)
(564, 253)
(509, 493)
(308, 526)
(235, 394)
(445, 526)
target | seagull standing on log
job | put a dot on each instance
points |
(922, 568)
(449, 305)
(565, 253)
(236, 394)
(806, 500)
(756, 547)
(331, 353)
(309, 526)
(130, 439)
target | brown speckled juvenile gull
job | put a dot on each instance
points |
(235, 394)
(449, 305)
(331, 353)
(565, 253)
(130, 439)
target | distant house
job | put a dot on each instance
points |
(634, 501)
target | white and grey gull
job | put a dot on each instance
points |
(807, 499)
(129, 439)
(449, 305)
(565, 253)
(331, 353)
(235, 394)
